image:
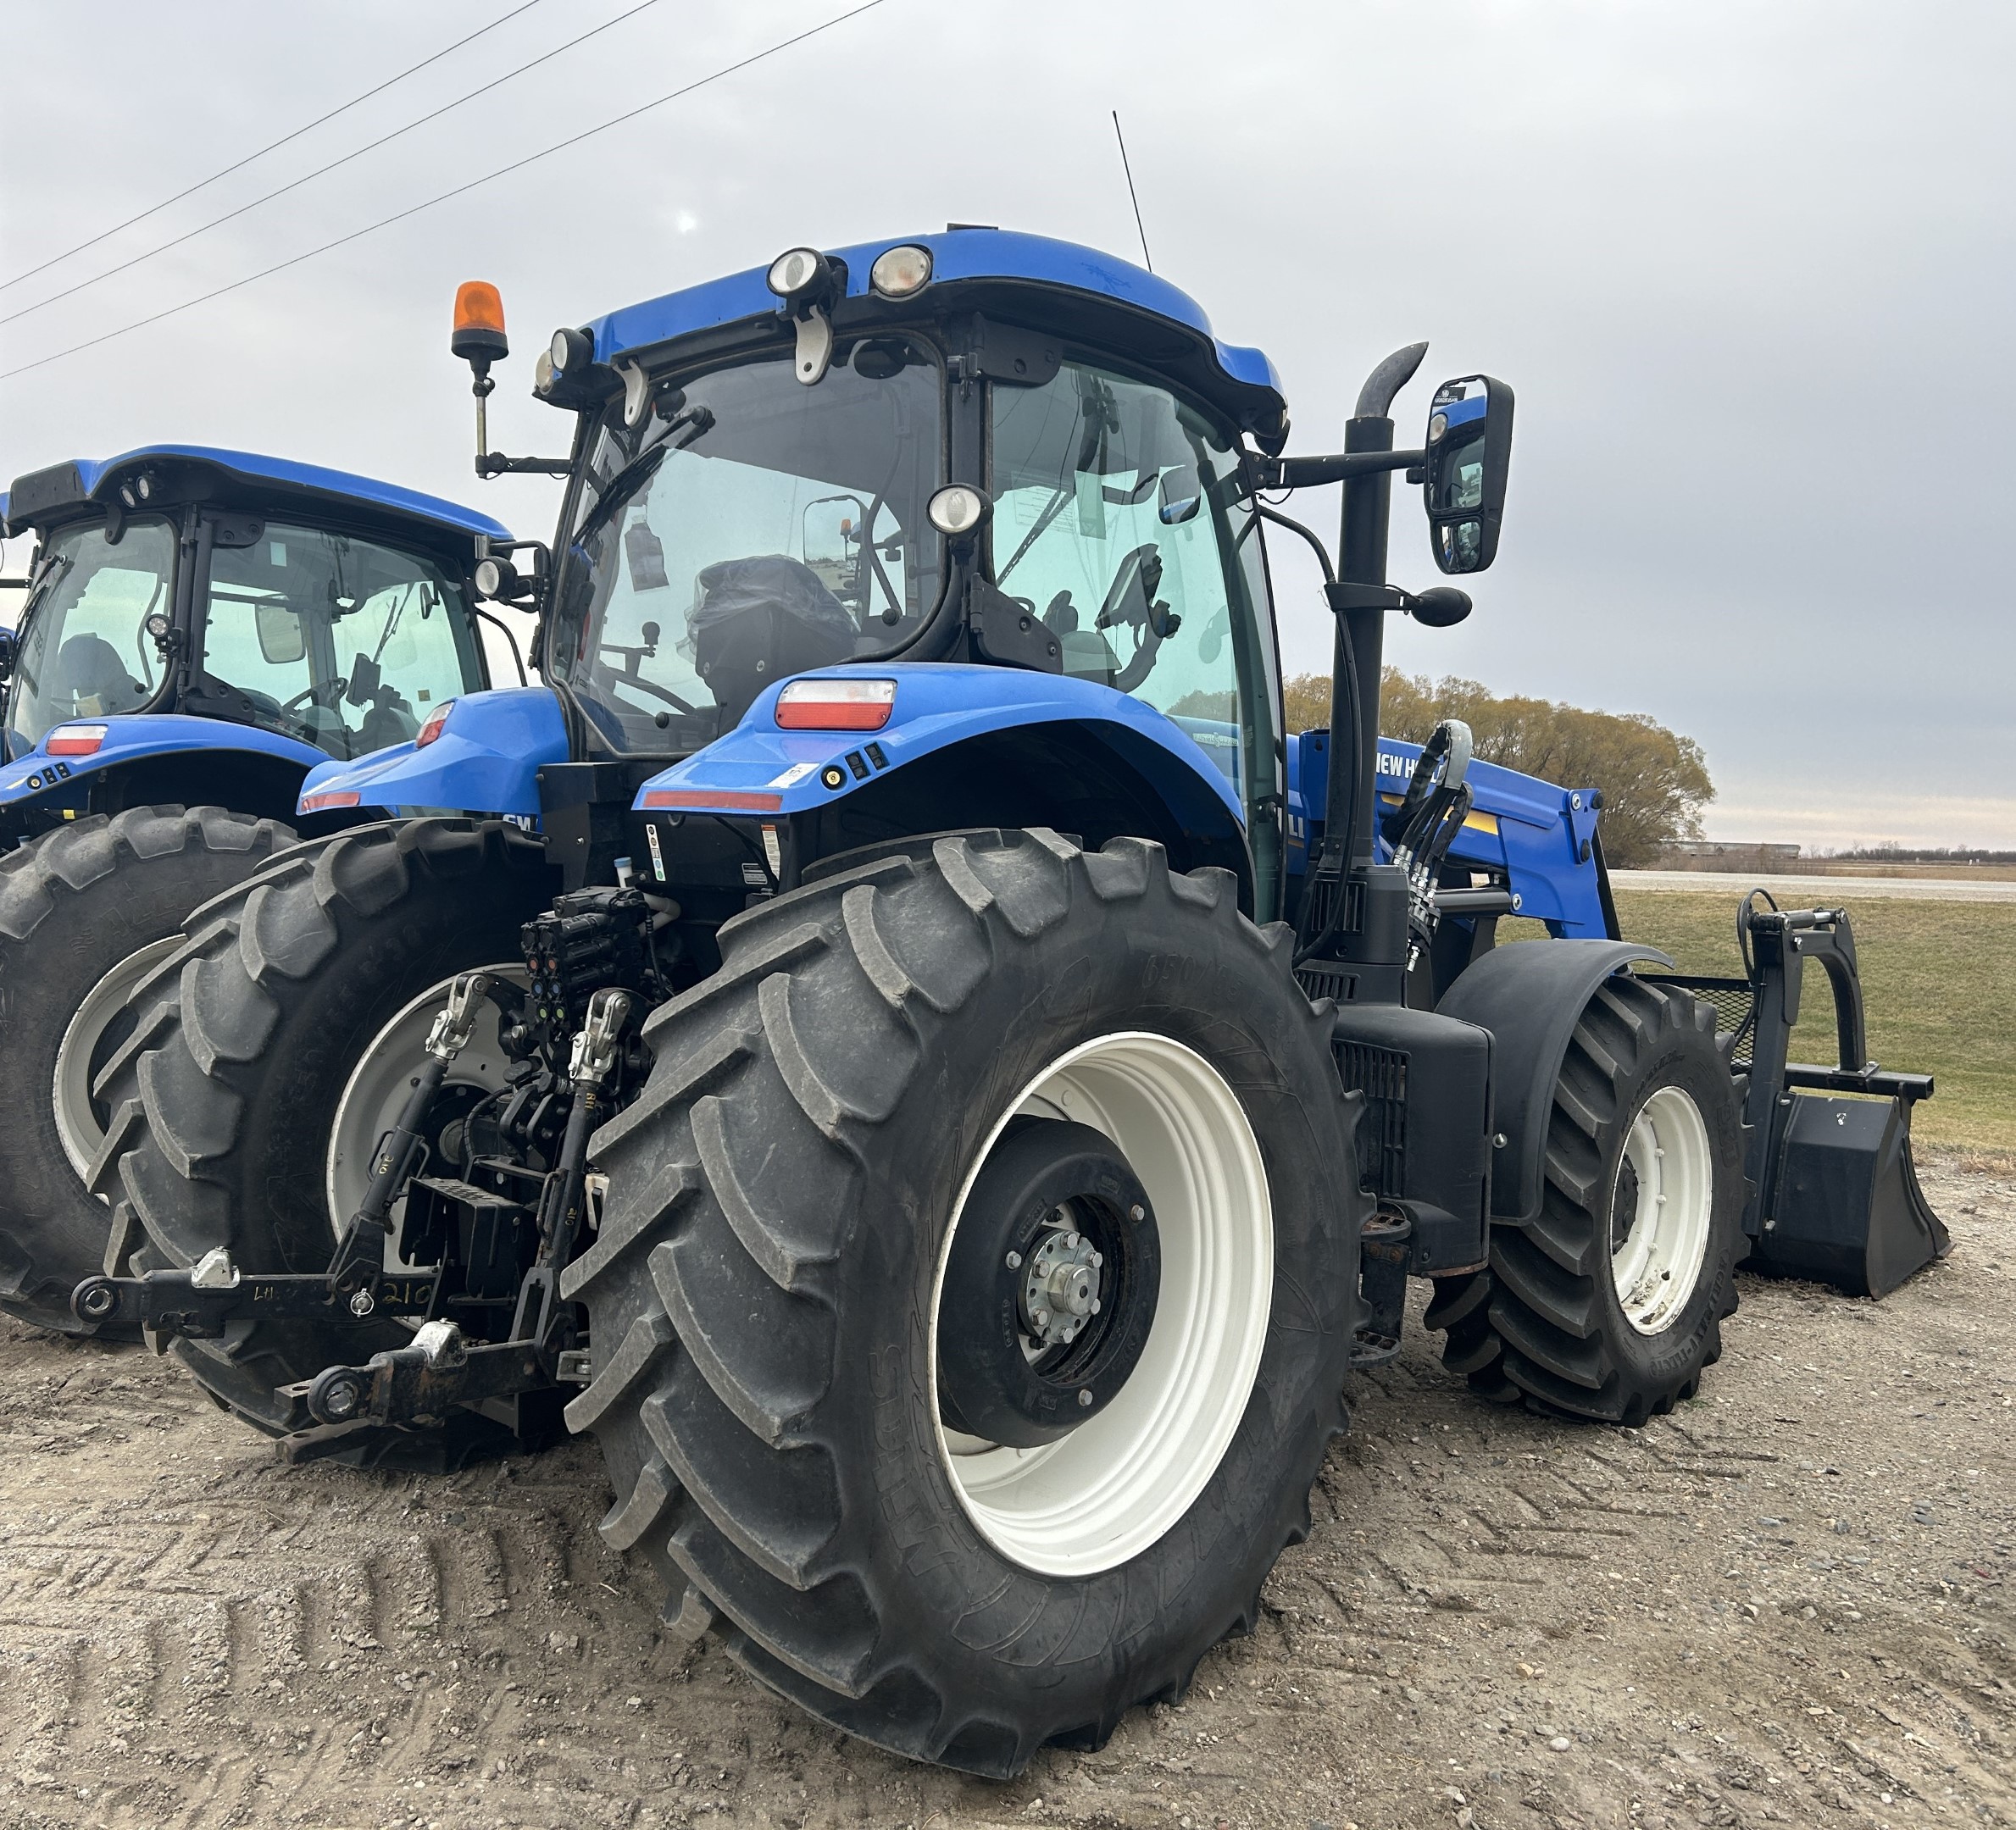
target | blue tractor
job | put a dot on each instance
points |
(937, 1081)
(198, 630)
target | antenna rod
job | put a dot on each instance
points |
(1145, 260)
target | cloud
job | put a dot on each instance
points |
(1742, 264)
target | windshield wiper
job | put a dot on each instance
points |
(698, 422)
(54, 567)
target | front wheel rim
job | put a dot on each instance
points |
(1658, 1263)
(78, 1126)
(1103, 1494)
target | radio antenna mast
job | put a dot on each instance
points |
(1145, 260)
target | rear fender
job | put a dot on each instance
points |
(486, 760)
(156, 758)
(967, 747)
(1531, 999)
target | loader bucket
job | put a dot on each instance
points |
(1845, 1207)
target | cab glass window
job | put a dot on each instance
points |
(1121, 520)
(84, 650)
(749, 529)
(341, 642)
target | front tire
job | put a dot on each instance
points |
(767, 1290)
(1611, 1304)
(86, 912)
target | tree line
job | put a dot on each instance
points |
(1654, 782)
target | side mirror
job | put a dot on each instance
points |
(7, 656)
(282, 640)
(1469, 450)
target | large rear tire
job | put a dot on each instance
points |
(86, 912)
(771, 1290)
(1610, 1305)
(242, 1070)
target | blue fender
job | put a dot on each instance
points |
(1542, 835)
(135, 737)
(486, 760)
(759, 769)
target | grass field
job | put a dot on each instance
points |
(1939, 984)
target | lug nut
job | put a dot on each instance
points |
(1084, 1398)
(1137, 1212)
(1014, 1260)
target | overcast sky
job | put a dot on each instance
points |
(1745, 263)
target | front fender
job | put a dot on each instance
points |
(486, 760)
(758, 767)
(1530, 998)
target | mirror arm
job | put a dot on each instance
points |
(496, 464)
(1311, 473)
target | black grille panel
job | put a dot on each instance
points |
(1381, 1074)
(1335, 982)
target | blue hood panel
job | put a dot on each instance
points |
(487, 759)
(1531, 829)
(937, 704)
(132, 735)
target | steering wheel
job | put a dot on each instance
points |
(313, 692)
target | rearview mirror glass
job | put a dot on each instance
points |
(281, 640)
(1469, 449)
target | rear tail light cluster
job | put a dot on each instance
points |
(75, 739)
(849, 705)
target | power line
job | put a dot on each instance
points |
(155, 209)
(545, 56)
(502, 171)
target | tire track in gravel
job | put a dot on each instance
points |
(1773, 1607)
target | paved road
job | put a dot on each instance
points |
(1822, 892)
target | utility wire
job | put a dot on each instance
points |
(502, 171)
(446, 107)
(273, 145)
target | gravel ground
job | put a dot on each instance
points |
(1787, 1604)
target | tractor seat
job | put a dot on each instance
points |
(90, 672)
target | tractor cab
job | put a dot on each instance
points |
(986, 450)
(306, 614)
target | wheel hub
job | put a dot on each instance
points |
(1051, 1289)
(1061, 1293)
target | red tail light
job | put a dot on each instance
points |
(436, 720)
(75, 739)
(320, 803)
(836, 704)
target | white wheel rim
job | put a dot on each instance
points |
(76, 1124)
(1659, 1264)
(383, 1077)
(1103, 1494)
